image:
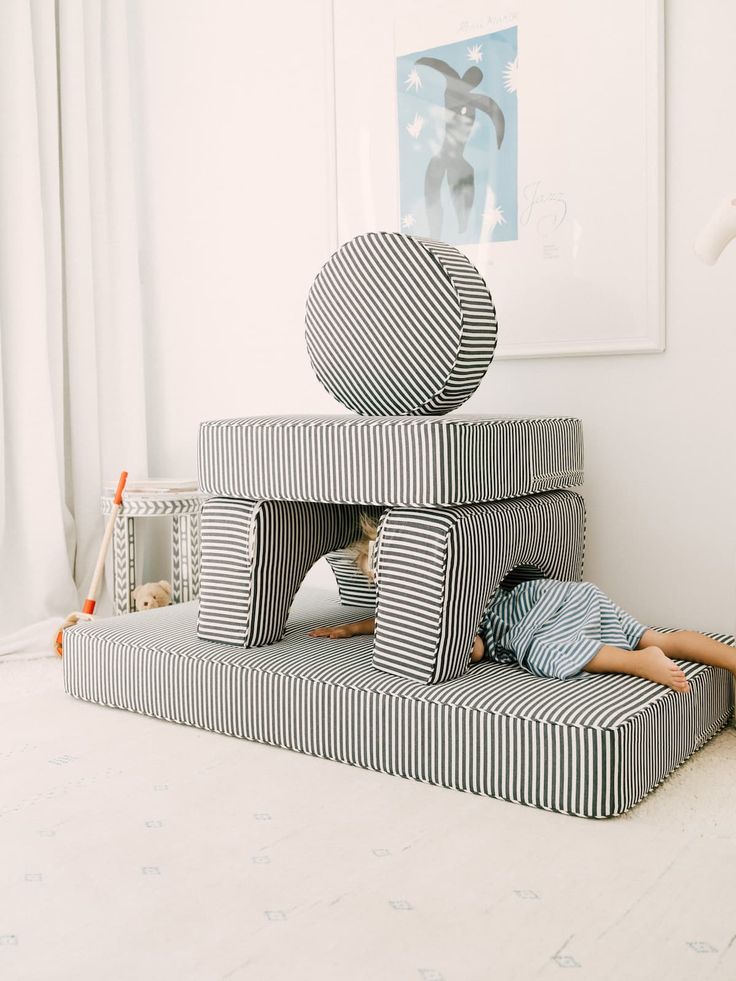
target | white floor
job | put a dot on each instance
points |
(132, 848)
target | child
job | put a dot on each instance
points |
(557, 629)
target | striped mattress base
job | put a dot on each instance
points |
(592, 747)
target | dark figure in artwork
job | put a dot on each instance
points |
(461, 105)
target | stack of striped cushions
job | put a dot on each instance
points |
(400, 330)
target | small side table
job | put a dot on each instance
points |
(183, 509)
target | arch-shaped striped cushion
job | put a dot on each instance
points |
(438, 568)
(397, 325)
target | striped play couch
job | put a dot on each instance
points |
(401, 331)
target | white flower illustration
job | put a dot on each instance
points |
(415, 127)
(413, 81)
(408, 221)
(475, 53)
(511, 75)
(492, 215)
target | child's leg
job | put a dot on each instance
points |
(650, 662)
(687, 645)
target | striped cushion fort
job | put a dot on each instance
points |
(591, 747)
(400, 325)
(391, 460)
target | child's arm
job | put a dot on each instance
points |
(346, 629)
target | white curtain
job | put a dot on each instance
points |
(72, 387)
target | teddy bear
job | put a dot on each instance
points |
(151, 595)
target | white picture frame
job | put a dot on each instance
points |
(590, 142)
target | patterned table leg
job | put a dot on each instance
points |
(123, 564)
(194, 554)
(181, 560)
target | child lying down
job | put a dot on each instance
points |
(557, 629)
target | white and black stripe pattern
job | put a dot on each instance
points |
(255, 555)
(437, 569)
(411, 461)
(225, 569)
(354, 587)
(592, 747)
(479, 329)
(396, 324)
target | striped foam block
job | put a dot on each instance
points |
(400, 325)
(591, 747)
(254, 557)
(389, 460)
(438, 568)
(353, 586)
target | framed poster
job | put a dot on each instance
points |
(457, 170)
(529, 135)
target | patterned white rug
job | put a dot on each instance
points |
(132, 848)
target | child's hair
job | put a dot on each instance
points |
(360, 547)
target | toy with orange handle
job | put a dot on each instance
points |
(87, 611)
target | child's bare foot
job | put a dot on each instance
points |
(652, 663)
(478, 650)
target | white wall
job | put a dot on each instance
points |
(235, 118)
(237, 171)
(235, 129)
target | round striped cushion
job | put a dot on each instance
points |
(397, 325)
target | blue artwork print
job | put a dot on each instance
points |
(458, 140)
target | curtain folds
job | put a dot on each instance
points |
(72, 404)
